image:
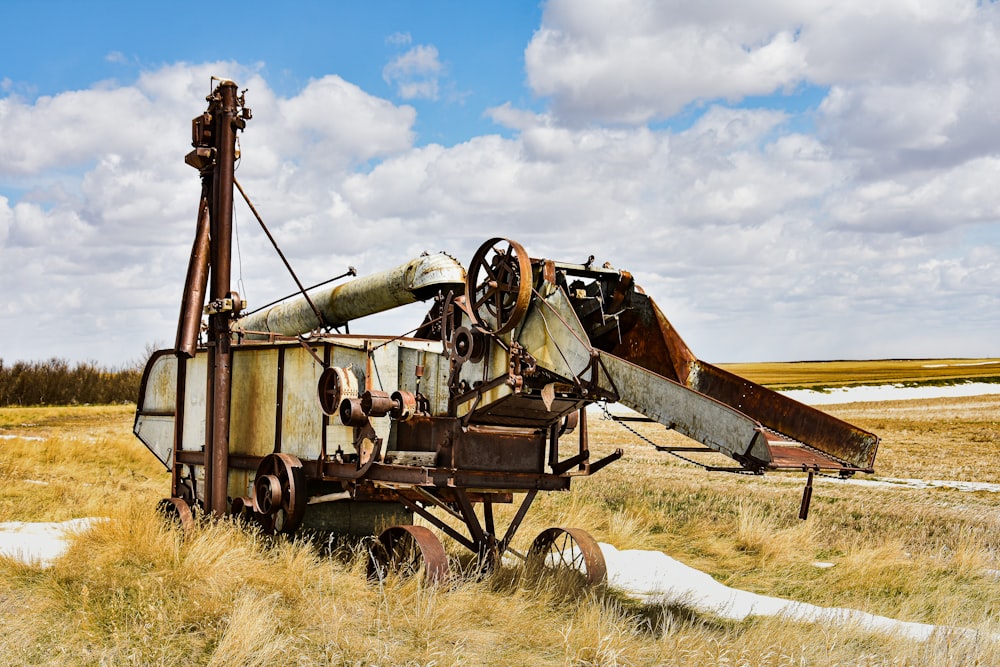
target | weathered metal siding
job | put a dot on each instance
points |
(301, 416)
(553, 334)
(254, 402)
(194, 403)
(433, 384)
(154, 422)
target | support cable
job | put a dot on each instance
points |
(319, 315)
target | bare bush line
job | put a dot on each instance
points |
(56, 382)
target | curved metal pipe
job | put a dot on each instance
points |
(417, 280)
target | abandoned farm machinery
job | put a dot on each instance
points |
(281, 419)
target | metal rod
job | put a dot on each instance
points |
(302, 290)
(516, 521)
(471, 520)
(351, 271)
(448, 530)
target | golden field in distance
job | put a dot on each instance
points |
(817, 374)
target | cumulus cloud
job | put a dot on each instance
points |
(866, 226)
(94, 241)
(415, 74)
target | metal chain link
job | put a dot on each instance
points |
(661, 448)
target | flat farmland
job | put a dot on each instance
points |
(815, 374)
(133, 590)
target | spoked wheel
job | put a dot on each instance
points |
(279, 493)
(408, 551)
(568, 550)
(498, 285)
(177, 509)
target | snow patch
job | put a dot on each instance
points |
(653, 576)
(889, 392)
(39, 543)
(904, 483)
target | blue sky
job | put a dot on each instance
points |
(481, 47)
(788, 180)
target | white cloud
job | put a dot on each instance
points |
(637, 60)
(642, 60)
(399, 38)
(415, 73)
(875, 235)
(99, 250)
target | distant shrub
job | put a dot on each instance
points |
(55, 382)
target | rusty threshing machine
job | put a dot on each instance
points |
(280, 418)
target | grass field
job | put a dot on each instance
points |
(818, 374)
(135, 591)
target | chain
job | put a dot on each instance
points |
(659, 448)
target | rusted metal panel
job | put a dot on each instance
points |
(649, 340)
(499, 450)
(429, 434)
(801, 422)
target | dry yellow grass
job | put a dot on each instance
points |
(132, 590)
(840, 373)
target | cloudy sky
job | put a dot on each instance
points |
(789, 179)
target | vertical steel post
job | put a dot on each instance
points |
(220, 370)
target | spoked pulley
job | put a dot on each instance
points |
(498, 285)
(279, 493)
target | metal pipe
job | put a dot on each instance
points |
(417, 280)
(219, 322)
(195, 285)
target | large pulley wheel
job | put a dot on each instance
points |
(408, 551)
(498, 285)
(279, 493)
(568, 550)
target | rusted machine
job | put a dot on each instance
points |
(283, 420)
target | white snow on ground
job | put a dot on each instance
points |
(889, 392)
(653, 576)
(905, 483)
(38, 543)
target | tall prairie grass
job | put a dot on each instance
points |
(132, 590)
